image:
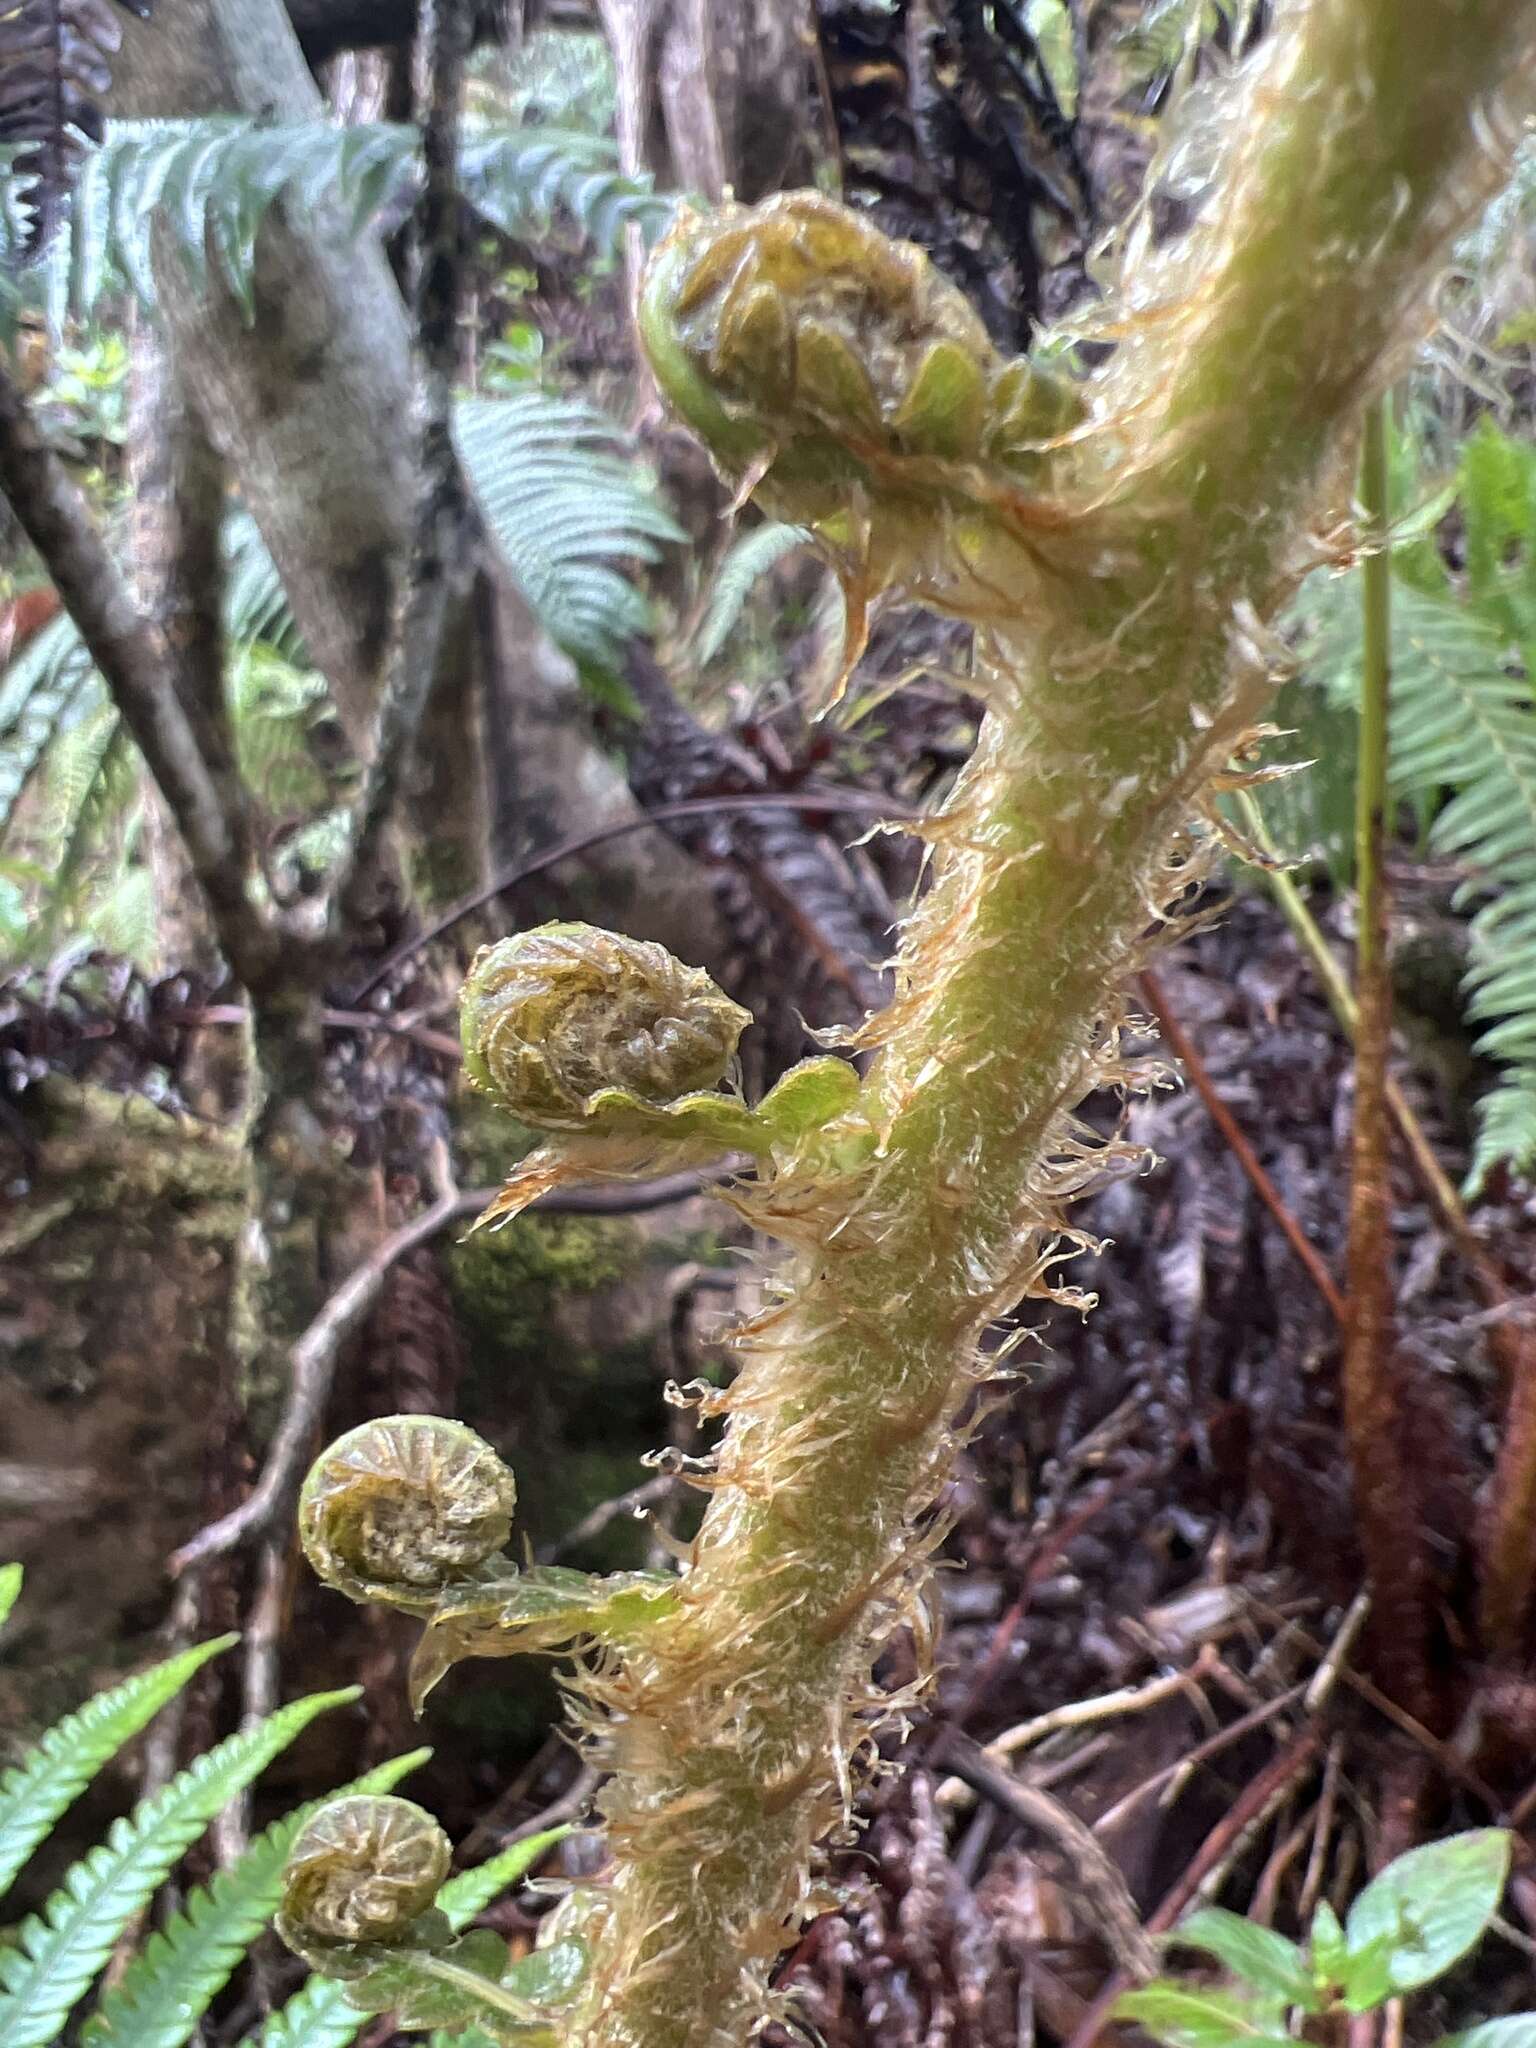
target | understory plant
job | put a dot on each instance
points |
(1409, 1926)
(52, 1966)
(1118, 543)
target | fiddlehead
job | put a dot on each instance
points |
(400, 1510)
(362, 1872)
(359, 1905)
(414, 1512)
(617, 1049)
(560, 1021)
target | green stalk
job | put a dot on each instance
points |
(1135, 663)
(1386, 1477)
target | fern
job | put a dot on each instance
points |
(1464, 746)
(170, 1984)
(36, 1791)
(51, 680)
(748, 559)
(59, 1950)
(561, 494)
(319, 2016)
(208, 185)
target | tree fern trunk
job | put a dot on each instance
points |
(1133, 660)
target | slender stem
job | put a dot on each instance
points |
(1387, 1478)
(1437, 1183)
(441, 563)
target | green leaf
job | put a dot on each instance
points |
(1517, 2031)
(748, 561)
(1199, 2019)
(565, 497)
(1429, 1907)
(170, 1983)
(550, 1976)
(809, 1096)
(34, 1792)
(1328, 1948)
(1257, 1954)
(10, 1589)
(319, 2016)
(511, 1613)
(59, 1950)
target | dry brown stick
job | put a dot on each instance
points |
(1202, 1753)
(1130, 1699)
(1187, 1052)
(1097, 1877)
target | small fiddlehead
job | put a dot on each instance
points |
(400, 1510)
(361, 1873)
(848, 386)
(414, 1512)
(618, 1050)
(359, 1905)
(559, 1021)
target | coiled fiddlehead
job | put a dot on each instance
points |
(362, 1872)
(845, 383)
(399, 1510)
(359, 1905)
(559, 1021)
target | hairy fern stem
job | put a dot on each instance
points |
(1133, 664)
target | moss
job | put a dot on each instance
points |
(506, 1281)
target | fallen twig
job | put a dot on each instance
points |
(1100, 1882)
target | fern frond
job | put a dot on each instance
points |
(51, 681)
(318, 2016)
(209, 184)
(561, 493)
(171, 1982)
(1506, 1127)
(59, 1950)
(11, 1576)
(1464, 726)
(748, 559)
(34, 1792)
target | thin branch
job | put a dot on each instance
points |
(442, 545)
(828, 802)
(131, 656)
(312, 1362)
(649, 1493)
(1184, 1048)
(1100, 1883)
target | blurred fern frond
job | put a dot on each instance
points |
(208, 185)
(1464, 747)
(563, 495)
